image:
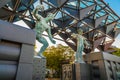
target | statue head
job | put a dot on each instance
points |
(50, 16)
(80, 31)
(40, 7)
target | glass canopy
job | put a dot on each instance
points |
(99, 22)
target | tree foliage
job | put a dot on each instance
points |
(54, 56)
(117, 52)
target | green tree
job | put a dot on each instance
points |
(116, 52)
(54, 56)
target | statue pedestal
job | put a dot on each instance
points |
(39, 68)
(118, 75)
(77, 71)
(104, 66)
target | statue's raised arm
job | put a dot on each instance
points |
(35, 11)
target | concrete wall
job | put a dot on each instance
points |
(16, 52)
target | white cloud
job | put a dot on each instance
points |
(21, 23)
(117, 43)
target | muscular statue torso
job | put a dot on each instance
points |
(40, 29)
(41, 26)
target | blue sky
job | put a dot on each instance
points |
(115, 5)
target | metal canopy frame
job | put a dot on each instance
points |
(98, 21)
